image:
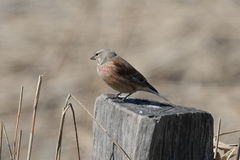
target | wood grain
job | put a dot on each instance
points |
(150, 130)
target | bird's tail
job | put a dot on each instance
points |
(151, 89)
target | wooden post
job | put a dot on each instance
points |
(150, 130)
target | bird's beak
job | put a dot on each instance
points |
(93, 58)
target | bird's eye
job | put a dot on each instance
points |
(96, 54)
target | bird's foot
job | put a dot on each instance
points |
(119, 99)
(115, 97)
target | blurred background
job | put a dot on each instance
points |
(188, 49)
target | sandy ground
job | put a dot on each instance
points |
(189, 50)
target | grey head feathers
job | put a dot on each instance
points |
(103, 55)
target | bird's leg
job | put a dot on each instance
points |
(126, 96)
(117, 96)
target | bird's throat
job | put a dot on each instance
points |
(104, 71)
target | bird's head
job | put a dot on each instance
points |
(103, 55)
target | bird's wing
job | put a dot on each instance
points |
(127, 72)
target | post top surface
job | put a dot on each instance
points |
(149, 108)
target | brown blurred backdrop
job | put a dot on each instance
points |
(188, 49)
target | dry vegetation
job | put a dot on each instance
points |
(227, 152)
(189, 50)
(15, 148)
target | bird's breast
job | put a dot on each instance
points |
(104, 70)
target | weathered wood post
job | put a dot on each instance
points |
(150, 130)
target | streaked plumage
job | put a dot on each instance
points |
(120, 75)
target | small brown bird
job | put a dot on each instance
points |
(120, 75)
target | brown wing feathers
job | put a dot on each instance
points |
(124, 69)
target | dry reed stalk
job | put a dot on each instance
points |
(231, 154)
(19, 145)
(224, 147)
(17, 122)
(7, 141)
(228, 154)
(75, 128)
(103, 129)
(59, 144)
(238, 150)
(1, 135)
(60, 132)
(217, 140)
(35, 104)
(229, 132)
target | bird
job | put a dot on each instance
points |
(121, 75)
